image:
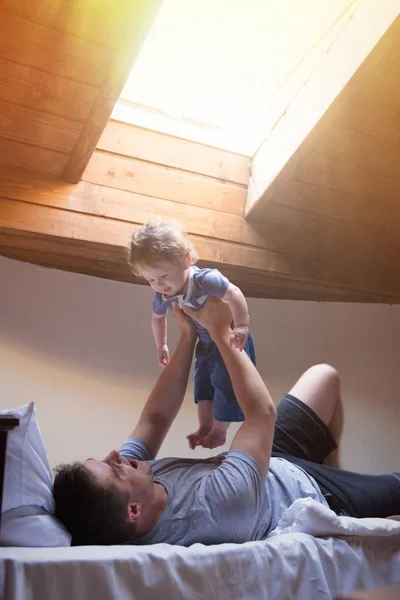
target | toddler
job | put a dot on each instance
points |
(165, 258)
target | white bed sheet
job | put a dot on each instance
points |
(291, 563)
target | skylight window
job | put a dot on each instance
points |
(222, 72)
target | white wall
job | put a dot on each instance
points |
(82, 348)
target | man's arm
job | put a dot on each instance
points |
(167, 396)
(255, 435)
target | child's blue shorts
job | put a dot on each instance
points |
(212, 381)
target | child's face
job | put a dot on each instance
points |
(166, 277)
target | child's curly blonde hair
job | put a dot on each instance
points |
(157, 241)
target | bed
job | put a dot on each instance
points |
(312, 553)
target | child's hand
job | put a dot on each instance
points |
(163, 355)
(239, 337)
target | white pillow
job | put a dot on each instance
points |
(32, 526)
(28, 487)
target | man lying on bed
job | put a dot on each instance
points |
(235, 497)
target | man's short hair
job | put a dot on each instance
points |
(92, 514)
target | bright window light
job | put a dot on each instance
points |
(222, 72)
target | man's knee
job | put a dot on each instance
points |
(326, 373)
(326, 370)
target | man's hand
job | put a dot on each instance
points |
(239, 337)
(215, 315)
(163, 355)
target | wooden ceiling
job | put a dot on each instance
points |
(63, 63)
(330, 232)
(337, 199)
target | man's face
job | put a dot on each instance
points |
(131, 477)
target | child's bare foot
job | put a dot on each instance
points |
(197, 437)
(214, 439)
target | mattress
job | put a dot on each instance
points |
(311, 554)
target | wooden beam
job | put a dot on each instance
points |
(259, 284)
(53, 233)
(104, 262)
(138, 21)
(16, 216)
(292, 243)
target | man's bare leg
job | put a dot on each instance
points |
(319, 388)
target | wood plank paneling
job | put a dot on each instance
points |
(337, 251)
(55, 248)
(20, 216)
(321, 170)
(338, 201)
(358, 110)
(110, 237)
(325, 201)
(32, 157)
(273, 161)
(259, 284)
(344, 145)
(52, 51)
(41, 220)
(26, 86)
(152, 146)
(163, 182)
(331, 228)
(38, 128)
(113, 203)
(137, 26)
(48, 256)
(99, 21)
(384, 80)
(105, 262)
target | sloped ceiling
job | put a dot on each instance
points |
(62, 67)
(337, 198)
(328, 230)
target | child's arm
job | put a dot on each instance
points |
(159, 327)
(238, 305)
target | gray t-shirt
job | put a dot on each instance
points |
(221, 499)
